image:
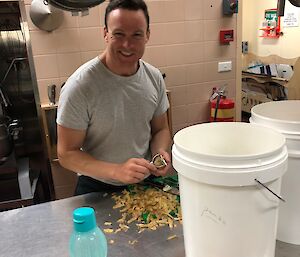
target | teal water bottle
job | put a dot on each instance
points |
(87, 240)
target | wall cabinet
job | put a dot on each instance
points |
(64, 180)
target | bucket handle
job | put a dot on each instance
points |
(279, 197)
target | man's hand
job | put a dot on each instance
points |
(133, 171)
(163, 171)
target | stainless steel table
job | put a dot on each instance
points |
(43, 230)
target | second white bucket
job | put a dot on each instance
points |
(284, 116)
(225, 211)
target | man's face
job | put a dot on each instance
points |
(126, 36)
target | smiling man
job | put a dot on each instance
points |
(112, 111)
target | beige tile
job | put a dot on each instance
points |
(178, 127)
(174, 10)
(175, 75)
(228, 84)
(102, 8)
(157, 11)
(67, 40)
(193, 52)
(214, 50)
(212, 30)
(195, 73)
(179, 114)
(174, 33)
(193, 10)
(63, 80)
(86, 56)
(199, 92)
(91, 20)
(69, 21)
(43, 42)
(27, 1)
(211, 72)
(46, 66)
(91, 39)
(199, 112)
(213, 9)
(175, 54)
(156, 55)
(43, 89)
(193, 31)
(158, 34)
(179, 96)
(68, 63)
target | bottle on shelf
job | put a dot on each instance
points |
(87, 240)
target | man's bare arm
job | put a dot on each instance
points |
(161, 141)
(71, 157)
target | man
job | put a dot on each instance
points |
(112, 111)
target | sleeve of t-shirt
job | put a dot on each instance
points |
(163, 103)
(73, 106)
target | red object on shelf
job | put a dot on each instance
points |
(272, 27)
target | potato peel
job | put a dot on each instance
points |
(149, 207)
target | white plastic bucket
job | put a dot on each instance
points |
(284, 116)
(225, 212)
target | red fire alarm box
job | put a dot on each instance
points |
(226, 36)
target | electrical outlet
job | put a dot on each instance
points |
(224, 66)
(245, 47)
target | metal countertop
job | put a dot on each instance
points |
(43, 231)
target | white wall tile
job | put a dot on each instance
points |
(156, 55)
(43, 42)
(46, 66)
(91, 39)
(193, 10)
(67, 40)
(68, 63)
(91, 20)
(69, 21)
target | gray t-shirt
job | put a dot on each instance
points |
(114, 110)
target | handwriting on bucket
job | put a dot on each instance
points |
(214, 217)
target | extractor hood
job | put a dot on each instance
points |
(295, 2)
(281, 4)
(75, 5)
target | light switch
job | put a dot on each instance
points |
(224, 66)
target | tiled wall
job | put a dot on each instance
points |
(183, 44)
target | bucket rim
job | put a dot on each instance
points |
(270, 123)
(234, 157)
(282, 121)
(274, 119)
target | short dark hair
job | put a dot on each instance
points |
(133, 5)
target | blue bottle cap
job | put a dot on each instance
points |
(84, 219)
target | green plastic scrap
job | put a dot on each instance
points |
(145, 217)
(168, 180)
(130, 188)
(173, 214)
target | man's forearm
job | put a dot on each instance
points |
(83, 163)
(161, 141)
